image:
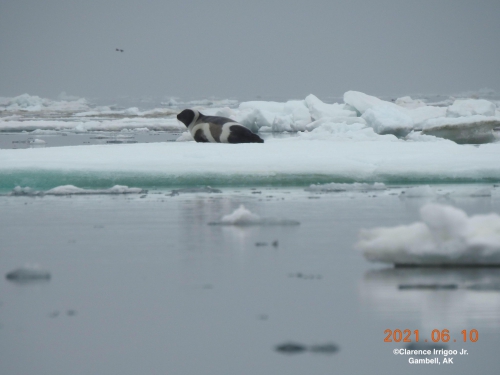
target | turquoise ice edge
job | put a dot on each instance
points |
(44, 180)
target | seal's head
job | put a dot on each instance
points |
(188, 116)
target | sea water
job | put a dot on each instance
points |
(143, 284)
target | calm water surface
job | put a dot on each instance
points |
(146, 286)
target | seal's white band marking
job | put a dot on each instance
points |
(226, 131)
(207, 132)
(195, 128)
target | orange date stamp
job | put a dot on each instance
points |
(437, 335)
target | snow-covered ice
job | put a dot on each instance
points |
(311, 158)
(445, 236)
(471, 107)
(471, 129)
(73, 190)
(408, 102)
(387, 119)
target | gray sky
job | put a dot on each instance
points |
(241, 49)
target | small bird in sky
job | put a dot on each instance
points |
(119, 50)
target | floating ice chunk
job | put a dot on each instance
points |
(73, 190)
(471, 107)
(319, 110)
(28, 273)
(243, 217)
(473, 129)
(446, 236)
(36, 141)
(387, 119)
(408, 102)
(337, 187)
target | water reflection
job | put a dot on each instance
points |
(438, 298)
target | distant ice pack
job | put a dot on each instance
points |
(359, 117)
(73, 190)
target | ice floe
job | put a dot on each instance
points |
(243, 217)
(337, 187)
(472, 129)
(73, 190)
(313, 157)
(446, 236)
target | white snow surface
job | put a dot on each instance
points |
(445, 236)
(389, 159)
